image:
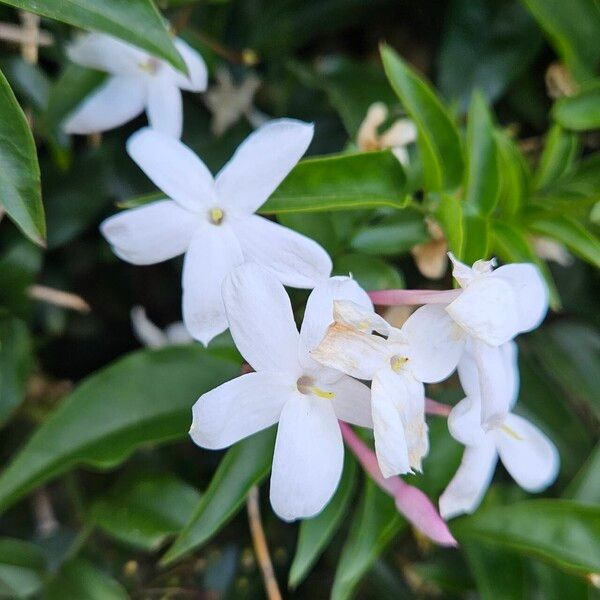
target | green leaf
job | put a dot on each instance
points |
(375, 523)
(145, 510)
(515, 175)
(476, 241)
(585, 487)
(246, 464)
(15, 364)
(560, 151)
(143, 398)
(316, 533)
(370, 272)
(20, 191)
(563, 532)
(28, 81)
(449, 213)
(318, 226)
(582, 180)
(581, 111)
(22, 568)
(438, 141)
(135, 21)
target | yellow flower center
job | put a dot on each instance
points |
(306, 386)
(216, 216)
(398, 362)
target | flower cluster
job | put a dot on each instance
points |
(235, 267)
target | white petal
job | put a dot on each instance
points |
(145, 330)
(464, 422)
(360, 317)
(401, 133)
(461, 272)
(293, 258)
(468, 486)
(510, 359)
(530, 290)
(487, 309)
(261, 163)
(197, 78)
(411, 394)
(308, 459)
(165, 108)
(118, 100)
(261, 319)
(177, 334)
(239, 408)
(435, 342)
(468, 373)
(352, 402)
(528, 455)
(105, 53)
(151, 233)
(213, 253)
(174, 168)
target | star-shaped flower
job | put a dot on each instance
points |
(211, 221)
(137, 81)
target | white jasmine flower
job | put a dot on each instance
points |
(527, 454)
(398, 361)
(153, 336)
(211, 221)
(137, 81)
(287, 387)
(491, 308)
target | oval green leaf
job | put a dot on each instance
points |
(581, 111)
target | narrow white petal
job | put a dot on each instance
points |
(352, 401)
(145, 330)
(213, 253)
(175, 169)
(118, 100)
(468, 486)
(411, 396)
(361, 317)
(165, 108)
(464, 422)
(527, 453)
(530, 290)
(239, 408)
(308, 459)
(177, 334)
(261, 319)
(261, 163)
(293, 258)
(461, 272)
(510, 359)
(197, 78)
(151, 233)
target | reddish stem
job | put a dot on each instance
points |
(396, 297)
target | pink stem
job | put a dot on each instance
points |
(395, 297)
(436, 408)
(410, 501)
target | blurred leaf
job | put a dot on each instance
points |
(370, 272)
(246, 464)
(28, 81)
(553, 584)
(560, 151)
(145, 510)
(15, 364)
(476, 240)
(22, 569)
(438, 142)
(442, 573)
(316, 533)
(318, 226)
(486, 44)
(583, 179)
(515, 175)
(450, 215)
(142, 398)
(135, 21)
(581, 111)
(20, 192)
(586, 485)
(374, 524)
(564, 532)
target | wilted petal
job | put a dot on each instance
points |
(197, 78)
(118, 100)
(239, 408)
(461, 272)
(360, 317)
(293, 258)
(464, 422)
(352, 401)
(308, 459)
(151, 233)
(367, 137)
(177, 334)
(401, 133)
(261, 163)
(145, 330)
(528, 455)
(165, 108)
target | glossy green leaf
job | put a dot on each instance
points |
(582, 180)
(135, 21)
(375, 523)
(315, 533)
(20, 191)
(371, 272)
(144, 510)
(560, 151)
(317, 226)
(515, 175)
(564, 532)
(581, 111)
(477, 239)
(246, 464)
(449, 213)
(585, 487)
(438, 141)
(145, 397)
(22, 569)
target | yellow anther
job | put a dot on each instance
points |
(216, 216)
(511, 432)
(322, 393)
(398, 362)
(150, 66)
(249, 57)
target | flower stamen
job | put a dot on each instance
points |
(216, 216)
(306, 386)
(398, 362)
(511, 432)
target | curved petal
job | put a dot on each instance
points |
(197, 79)
(435, 343)
(308, 458)
(293, 258)
(510, 358)
(464, 422)
(177, 334)
(151, 233)
(118, 100)
(469, 484)
(261, 163)
(174, 168)
(352, 401)
(145, 330)
(530, 290)
(487, 309)
(261, 319)
(468, 372)
(528, 455)
(239, 408)
(461, 272)
(165, 108)
(213, 253)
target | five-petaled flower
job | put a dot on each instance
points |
(137, 81)
(212, 220)
(287, 387)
